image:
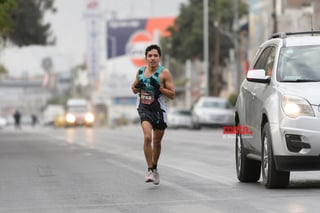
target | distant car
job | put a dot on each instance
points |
(3, 122)
(179, 118)
(78, 113)
(212, 111)
(79, 116)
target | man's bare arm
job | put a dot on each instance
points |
(167, 84)
(135, 82)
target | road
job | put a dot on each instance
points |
(102, 170)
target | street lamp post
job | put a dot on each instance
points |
(236, 44)
(206, 46)
(113, 40)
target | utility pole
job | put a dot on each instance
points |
(274, 17)
(216, 70)
(206, 47)
(236, 44)
(316, 15)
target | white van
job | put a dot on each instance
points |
(50, 113)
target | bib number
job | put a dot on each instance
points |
(147, 97)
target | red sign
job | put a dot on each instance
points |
(92, 5)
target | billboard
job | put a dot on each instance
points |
(131, 36)
(126, 40)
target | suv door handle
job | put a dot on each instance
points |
(253, 95)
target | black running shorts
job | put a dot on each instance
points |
(155, 118)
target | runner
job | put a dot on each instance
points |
(153, 84)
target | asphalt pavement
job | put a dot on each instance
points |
(102, 170)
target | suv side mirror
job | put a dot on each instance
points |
(258, 75)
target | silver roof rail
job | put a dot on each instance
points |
(286, 34)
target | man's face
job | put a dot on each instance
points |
(153, 58)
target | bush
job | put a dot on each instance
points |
(232, 99)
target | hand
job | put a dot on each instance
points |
(154, 83)
(139, 85)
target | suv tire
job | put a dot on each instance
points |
(271, 177)
(248, 170)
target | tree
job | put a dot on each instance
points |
(6, 23)
(25, 22)
(3, 70)
(186, 41)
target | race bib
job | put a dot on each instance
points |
(146, 97)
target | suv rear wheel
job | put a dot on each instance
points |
(248, 170)
(271, 177)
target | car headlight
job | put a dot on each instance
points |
(70, 118)
(89, 118)
(295, 106)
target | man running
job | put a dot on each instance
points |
(153, 84)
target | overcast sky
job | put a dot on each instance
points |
(69, 27)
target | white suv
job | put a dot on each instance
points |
(279, 107)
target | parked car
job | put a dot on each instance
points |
(212, 111)
(179, 118)
(3, 122)
(281, 110)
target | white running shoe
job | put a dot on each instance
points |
(149, 177)
(156, 177)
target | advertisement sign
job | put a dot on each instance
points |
(126, 41)
(131, 36)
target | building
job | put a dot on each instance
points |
(267, 17)
(27, 95)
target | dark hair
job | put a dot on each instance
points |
(151, 47)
